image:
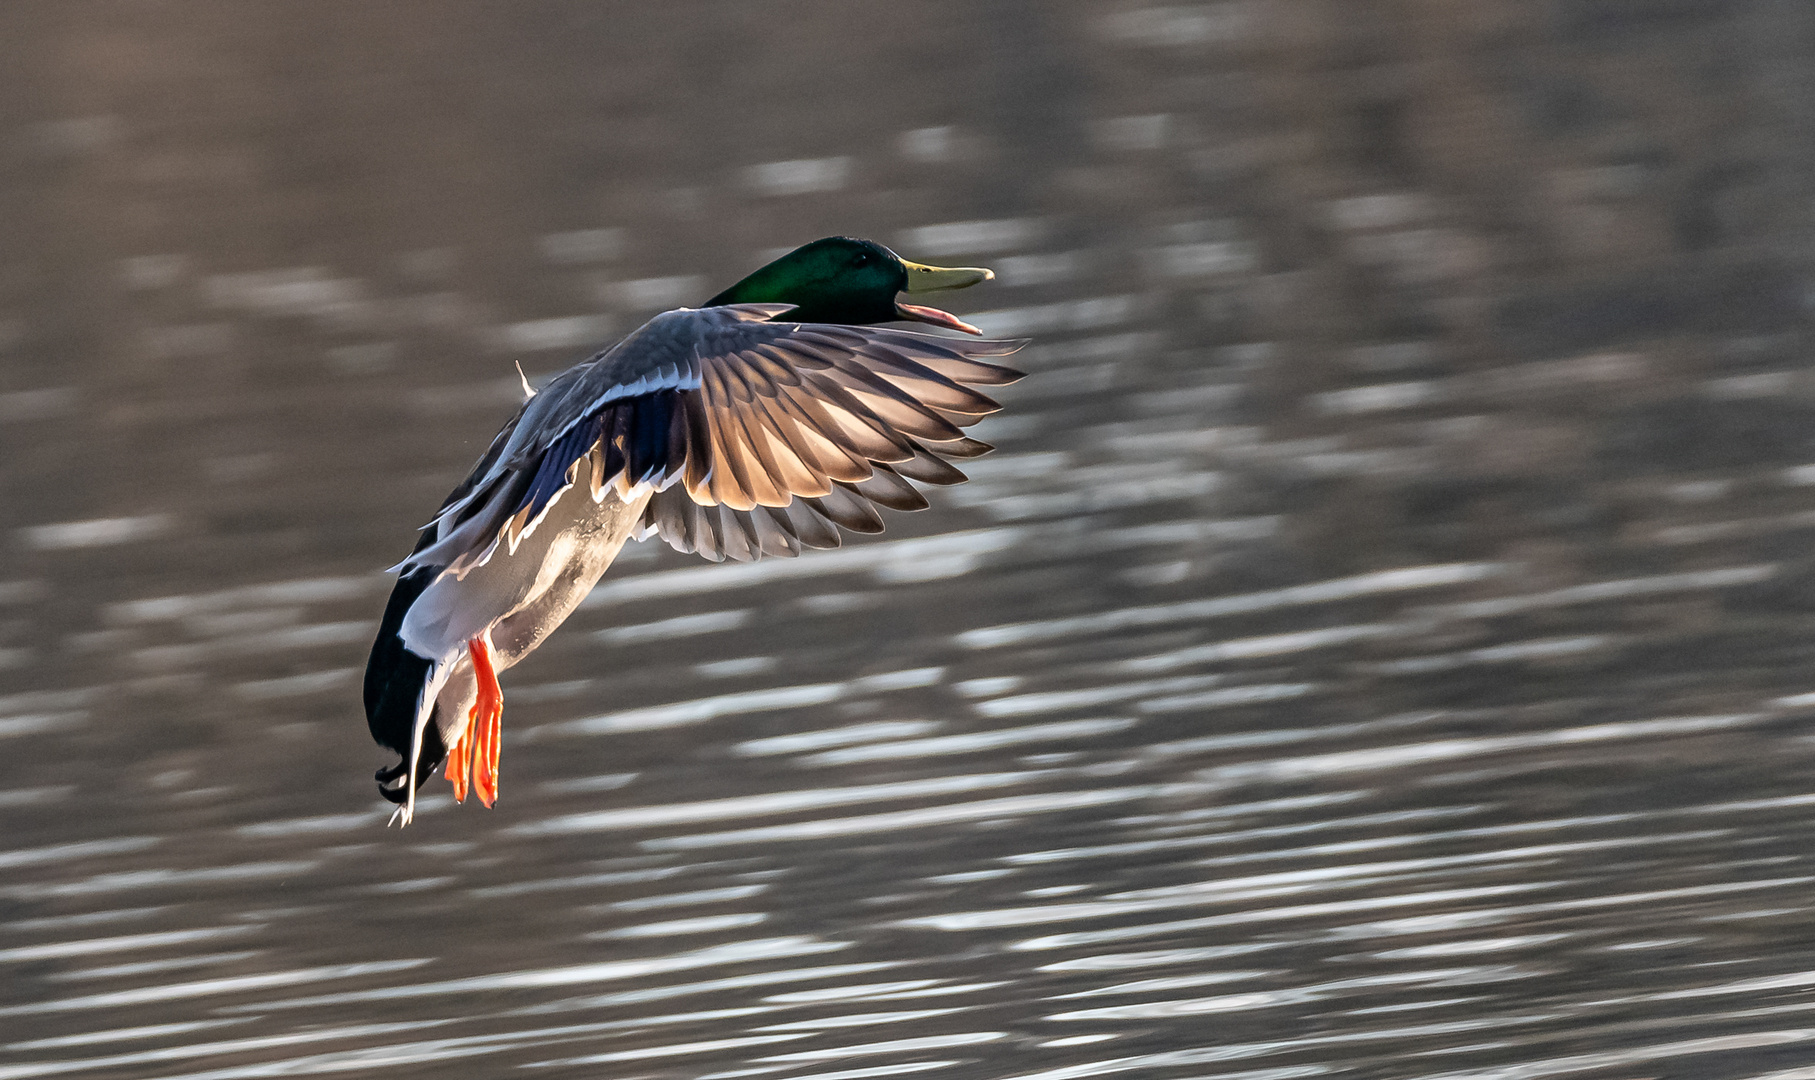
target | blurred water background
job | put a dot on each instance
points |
(1381, 646)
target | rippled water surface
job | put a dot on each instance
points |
(1380, 647)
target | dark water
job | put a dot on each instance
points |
(1381, 646)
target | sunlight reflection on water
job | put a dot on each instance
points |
(1375, 650)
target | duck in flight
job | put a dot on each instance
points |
(758, 424)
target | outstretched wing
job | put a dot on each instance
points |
(754, 437)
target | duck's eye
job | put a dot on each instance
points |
(861, 259)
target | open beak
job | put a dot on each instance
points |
(933, 278)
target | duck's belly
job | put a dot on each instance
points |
(566, 576)
(522, 596)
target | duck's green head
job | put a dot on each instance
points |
(841, 280)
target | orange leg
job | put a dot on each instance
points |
(484, 726)
(459, 763)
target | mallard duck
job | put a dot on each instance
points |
(726, 430)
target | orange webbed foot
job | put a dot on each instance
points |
(485, 724)
(459, 763)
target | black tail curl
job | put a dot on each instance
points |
(395, 678)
